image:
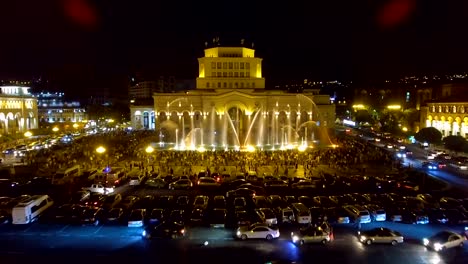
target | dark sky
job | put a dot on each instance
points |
(94, 44)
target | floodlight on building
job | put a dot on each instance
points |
(394, 107)
(359, 106)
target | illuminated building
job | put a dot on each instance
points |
(231, 107)
(449, 112)
(53, 108)
(449, 117)
(18, 110)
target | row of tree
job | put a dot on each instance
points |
(434, 136)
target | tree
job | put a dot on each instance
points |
(362, 116)
(429, 135)
(455, 143)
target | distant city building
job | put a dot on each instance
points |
(230, 106)
(449, 112)
(141, 87)
(18, 109)
(53, 108)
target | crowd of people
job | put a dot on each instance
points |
(128, 148)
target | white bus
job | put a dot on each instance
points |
(29, 210)
(66, 175)
(302, 213)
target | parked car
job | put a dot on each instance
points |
(137, 218)
(181, 184)
(240, 192)
(114, 215)
(156, 216)
(92, 216)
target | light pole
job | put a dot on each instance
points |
(101, 150)
(149, 150)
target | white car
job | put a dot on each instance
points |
(259, 231)
(310, 235)
(380, 235)
(379, 215)
(444, 240)
(98, 188)
(207, 182)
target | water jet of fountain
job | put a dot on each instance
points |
(251, 125)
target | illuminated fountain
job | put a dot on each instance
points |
(235, 126)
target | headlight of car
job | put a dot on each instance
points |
(425, 241)
(238, 233)
(437, 246)
(143, 233)
(362, 238)
(295, 239)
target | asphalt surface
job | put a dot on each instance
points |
(75, 243)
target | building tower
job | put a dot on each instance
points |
(230, 68)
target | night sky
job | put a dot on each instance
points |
(95, 44)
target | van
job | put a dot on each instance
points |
(116, 176)
(63, 176)
(29, 210)
(302, 213)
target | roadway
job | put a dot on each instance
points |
(117, 243)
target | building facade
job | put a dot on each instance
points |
(230, 107)
(53, 109)
(450, 118)
(18, 110)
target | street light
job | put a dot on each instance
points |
(75, 126)
(149, 150)
(55, 129)
(101, 150)
(28, 134)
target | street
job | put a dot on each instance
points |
(95, 244)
